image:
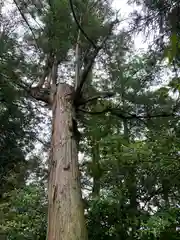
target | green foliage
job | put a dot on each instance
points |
(160, 224)
(106, 220)
(139, 162)
(57, 34)
(24, 215)
(131, 169)
(15, 123)
(171, 51)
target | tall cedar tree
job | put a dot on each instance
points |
(66, 219)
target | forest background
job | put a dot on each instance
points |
(130, 141)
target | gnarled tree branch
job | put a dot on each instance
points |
(90, 63)
(77, 60)
(26, 21)
(100, 95)
(79, 25)
(46, 69)
(118, 113)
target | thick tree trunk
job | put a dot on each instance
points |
(131, 183)
(66, 219)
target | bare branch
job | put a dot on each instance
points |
(42, 94)
(77, 61)
(79, 25)
(46, 69)
(118, 113)
(90, 63)
(54, 72)
(134, 116)
(26, 21)
(45, 144)
(47, 83)
(100, 95)
(106, 110)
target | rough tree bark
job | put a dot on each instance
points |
(66, 219)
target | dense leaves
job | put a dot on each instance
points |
(15, 127)
(130, 142)
(24, 215)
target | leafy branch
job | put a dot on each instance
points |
(120, 114)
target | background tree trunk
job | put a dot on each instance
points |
(96, 169)
(66, 219)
